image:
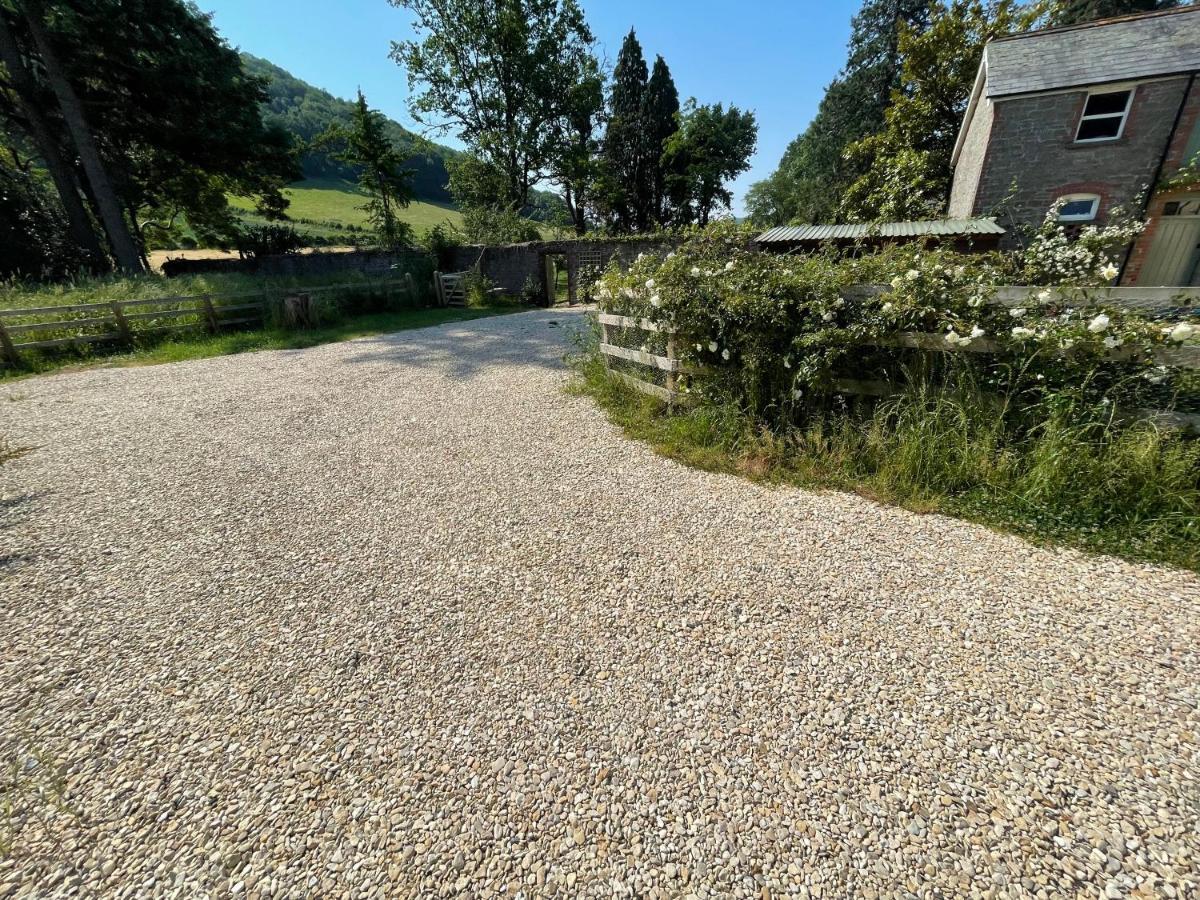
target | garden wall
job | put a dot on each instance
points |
(521, 268)
(368, 262)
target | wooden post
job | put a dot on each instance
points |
(411, 287)
(122, 323)
(6, 344)
(671, 377)
(437, 289)
(604, 339)
(210, 313)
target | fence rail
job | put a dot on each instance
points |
(1135, 299)
(212, 312)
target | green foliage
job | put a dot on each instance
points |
(175, 117)
(364, 143)
(773, 334)
(906, 166)
(441, 242)
(712, 146)
(34, 240)
(574, 165)
(813, 172)
(1075, 12)
(257, 241)
(1030, 435)
(660, 118)
(306, 112)
(499, 75)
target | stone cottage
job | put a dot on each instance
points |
(1097, 115)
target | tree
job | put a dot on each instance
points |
(100, 185)
(156, 108)
(573, 163)
(660, 120)
(712, 146)
(495, 73)
(625, 181)
(906, 166)
(813, 171)
(1074, 12)
(364, 144)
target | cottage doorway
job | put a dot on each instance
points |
(1174, 257)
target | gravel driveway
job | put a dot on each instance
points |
(398, 617)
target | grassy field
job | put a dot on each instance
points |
(335, 202)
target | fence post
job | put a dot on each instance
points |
(6, 344)
(437, 289)
(671, 376)
(210, 313)
(122, 323)
(604, 339)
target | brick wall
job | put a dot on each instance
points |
(1032, 154)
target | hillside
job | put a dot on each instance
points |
(328, 208)
(306, 111)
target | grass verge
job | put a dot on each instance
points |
(199, 346)
(1132, 492)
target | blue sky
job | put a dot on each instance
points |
(771, 56)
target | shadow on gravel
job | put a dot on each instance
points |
(13, 511)
(463, 350)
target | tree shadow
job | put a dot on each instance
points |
(14, 511)
(469, 349)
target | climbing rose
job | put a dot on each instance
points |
(1108, 271)
(1182, 332)
(1098, 324)
(712, 346)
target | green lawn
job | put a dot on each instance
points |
(332, 201)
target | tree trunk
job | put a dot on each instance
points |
(79, 223)
(124, 248)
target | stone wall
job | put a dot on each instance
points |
(369, 262)
(1033, 148)
(970, 161)
(521, 268)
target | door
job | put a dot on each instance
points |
(1174, 255)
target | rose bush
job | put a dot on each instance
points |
(774, 334)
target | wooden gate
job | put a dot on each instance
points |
(1175, 252)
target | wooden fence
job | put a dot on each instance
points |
(1143, 300)
(451, 288)
(118, 320)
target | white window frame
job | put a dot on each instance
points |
(1076, 217)
(1123, 115)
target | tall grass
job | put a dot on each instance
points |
(1061, 474)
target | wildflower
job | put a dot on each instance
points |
(1098, 324)
(695, 270)
(1041, 377)
(1108, 271)
(958, 271)
(725, 354)
(649, 282)
(787, 362)
(1182, 332)
(671, 255)
(712, 346)
(887, 308)
(1112, 343)
(1043, 296)
(656, 300)
(1022, 333)
(897, 282)
(797, 393)
(630, 293)
(954, 339)
(1018, 312)
(729, 266)
(827, 317)
(912, 274)
(699, 348)
(977, 332)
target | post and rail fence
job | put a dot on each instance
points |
(1144, 300)
(118, 319)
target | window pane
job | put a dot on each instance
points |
(1077, 209)
(1090, 129)
(1099, 104)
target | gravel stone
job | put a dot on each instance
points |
(399, 617)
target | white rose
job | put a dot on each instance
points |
(695, 270)
(977, 332)
(649, 282)
(1022, 333)
(1108, 271)
(1017, 313)
(1182, 332)
(724, 354)
(1098, 324)
(712, 346)
(1112, 343)
(729, 266)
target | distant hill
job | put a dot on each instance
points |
(306, 111)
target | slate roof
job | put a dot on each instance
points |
(786, 234)
(1121, 49)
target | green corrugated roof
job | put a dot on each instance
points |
(857, 230)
